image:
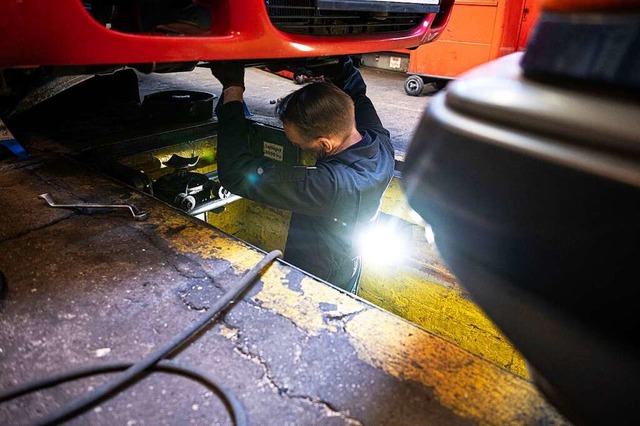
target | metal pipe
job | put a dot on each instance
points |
(214, 204)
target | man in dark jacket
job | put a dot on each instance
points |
(334, 200)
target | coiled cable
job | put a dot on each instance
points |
(134, 372)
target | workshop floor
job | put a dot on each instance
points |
(91, 287)
(421, 290)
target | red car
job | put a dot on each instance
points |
(83, 33)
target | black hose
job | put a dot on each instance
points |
(231, 403)
(143, 367)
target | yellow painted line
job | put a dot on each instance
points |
(467, 385)
(443, 310)
(303, 308)
(209, 243)
(462, 382)
(300, 306)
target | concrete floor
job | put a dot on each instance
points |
(399, 112)
(88, 287)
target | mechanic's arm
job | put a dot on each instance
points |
(233, 154)
(348, 78)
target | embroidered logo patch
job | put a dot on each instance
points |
(273, 151)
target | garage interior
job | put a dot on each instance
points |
(135, 289)
(89, 286)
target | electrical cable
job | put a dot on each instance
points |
(144, 367)
(231, 403)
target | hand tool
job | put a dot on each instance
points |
(137, 214)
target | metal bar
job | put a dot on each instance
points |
(137, 214)
(214, 204)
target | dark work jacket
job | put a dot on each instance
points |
(330, 202)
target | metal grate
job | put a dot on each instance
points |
(303, 17)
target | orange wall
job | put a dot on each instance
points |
(479, 31)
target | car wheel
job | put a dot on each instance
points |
(413, 85)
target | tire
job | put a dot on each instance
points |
(413, 85)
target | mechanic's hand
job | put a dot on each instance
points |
(230, 73)
(336, 73)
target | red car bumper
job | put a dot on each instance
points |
(63, 32)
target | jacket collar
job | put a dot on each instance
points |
(366, 148)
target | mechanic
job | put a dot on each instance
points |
(334, 200)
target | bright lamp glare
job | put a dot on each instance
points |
(382, 245)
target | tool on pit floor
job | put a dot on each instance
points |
(137, 214)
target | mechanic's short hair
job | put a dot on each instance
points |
(318, 109)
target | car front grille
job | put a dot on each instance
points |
(304, 17)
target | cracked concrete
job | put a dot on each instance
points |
(327, 407)
(340, 319)
(282, 391)
(26, 232)
(102, 287)
(297, 365)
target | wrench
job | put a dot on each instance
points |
(137, 214)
